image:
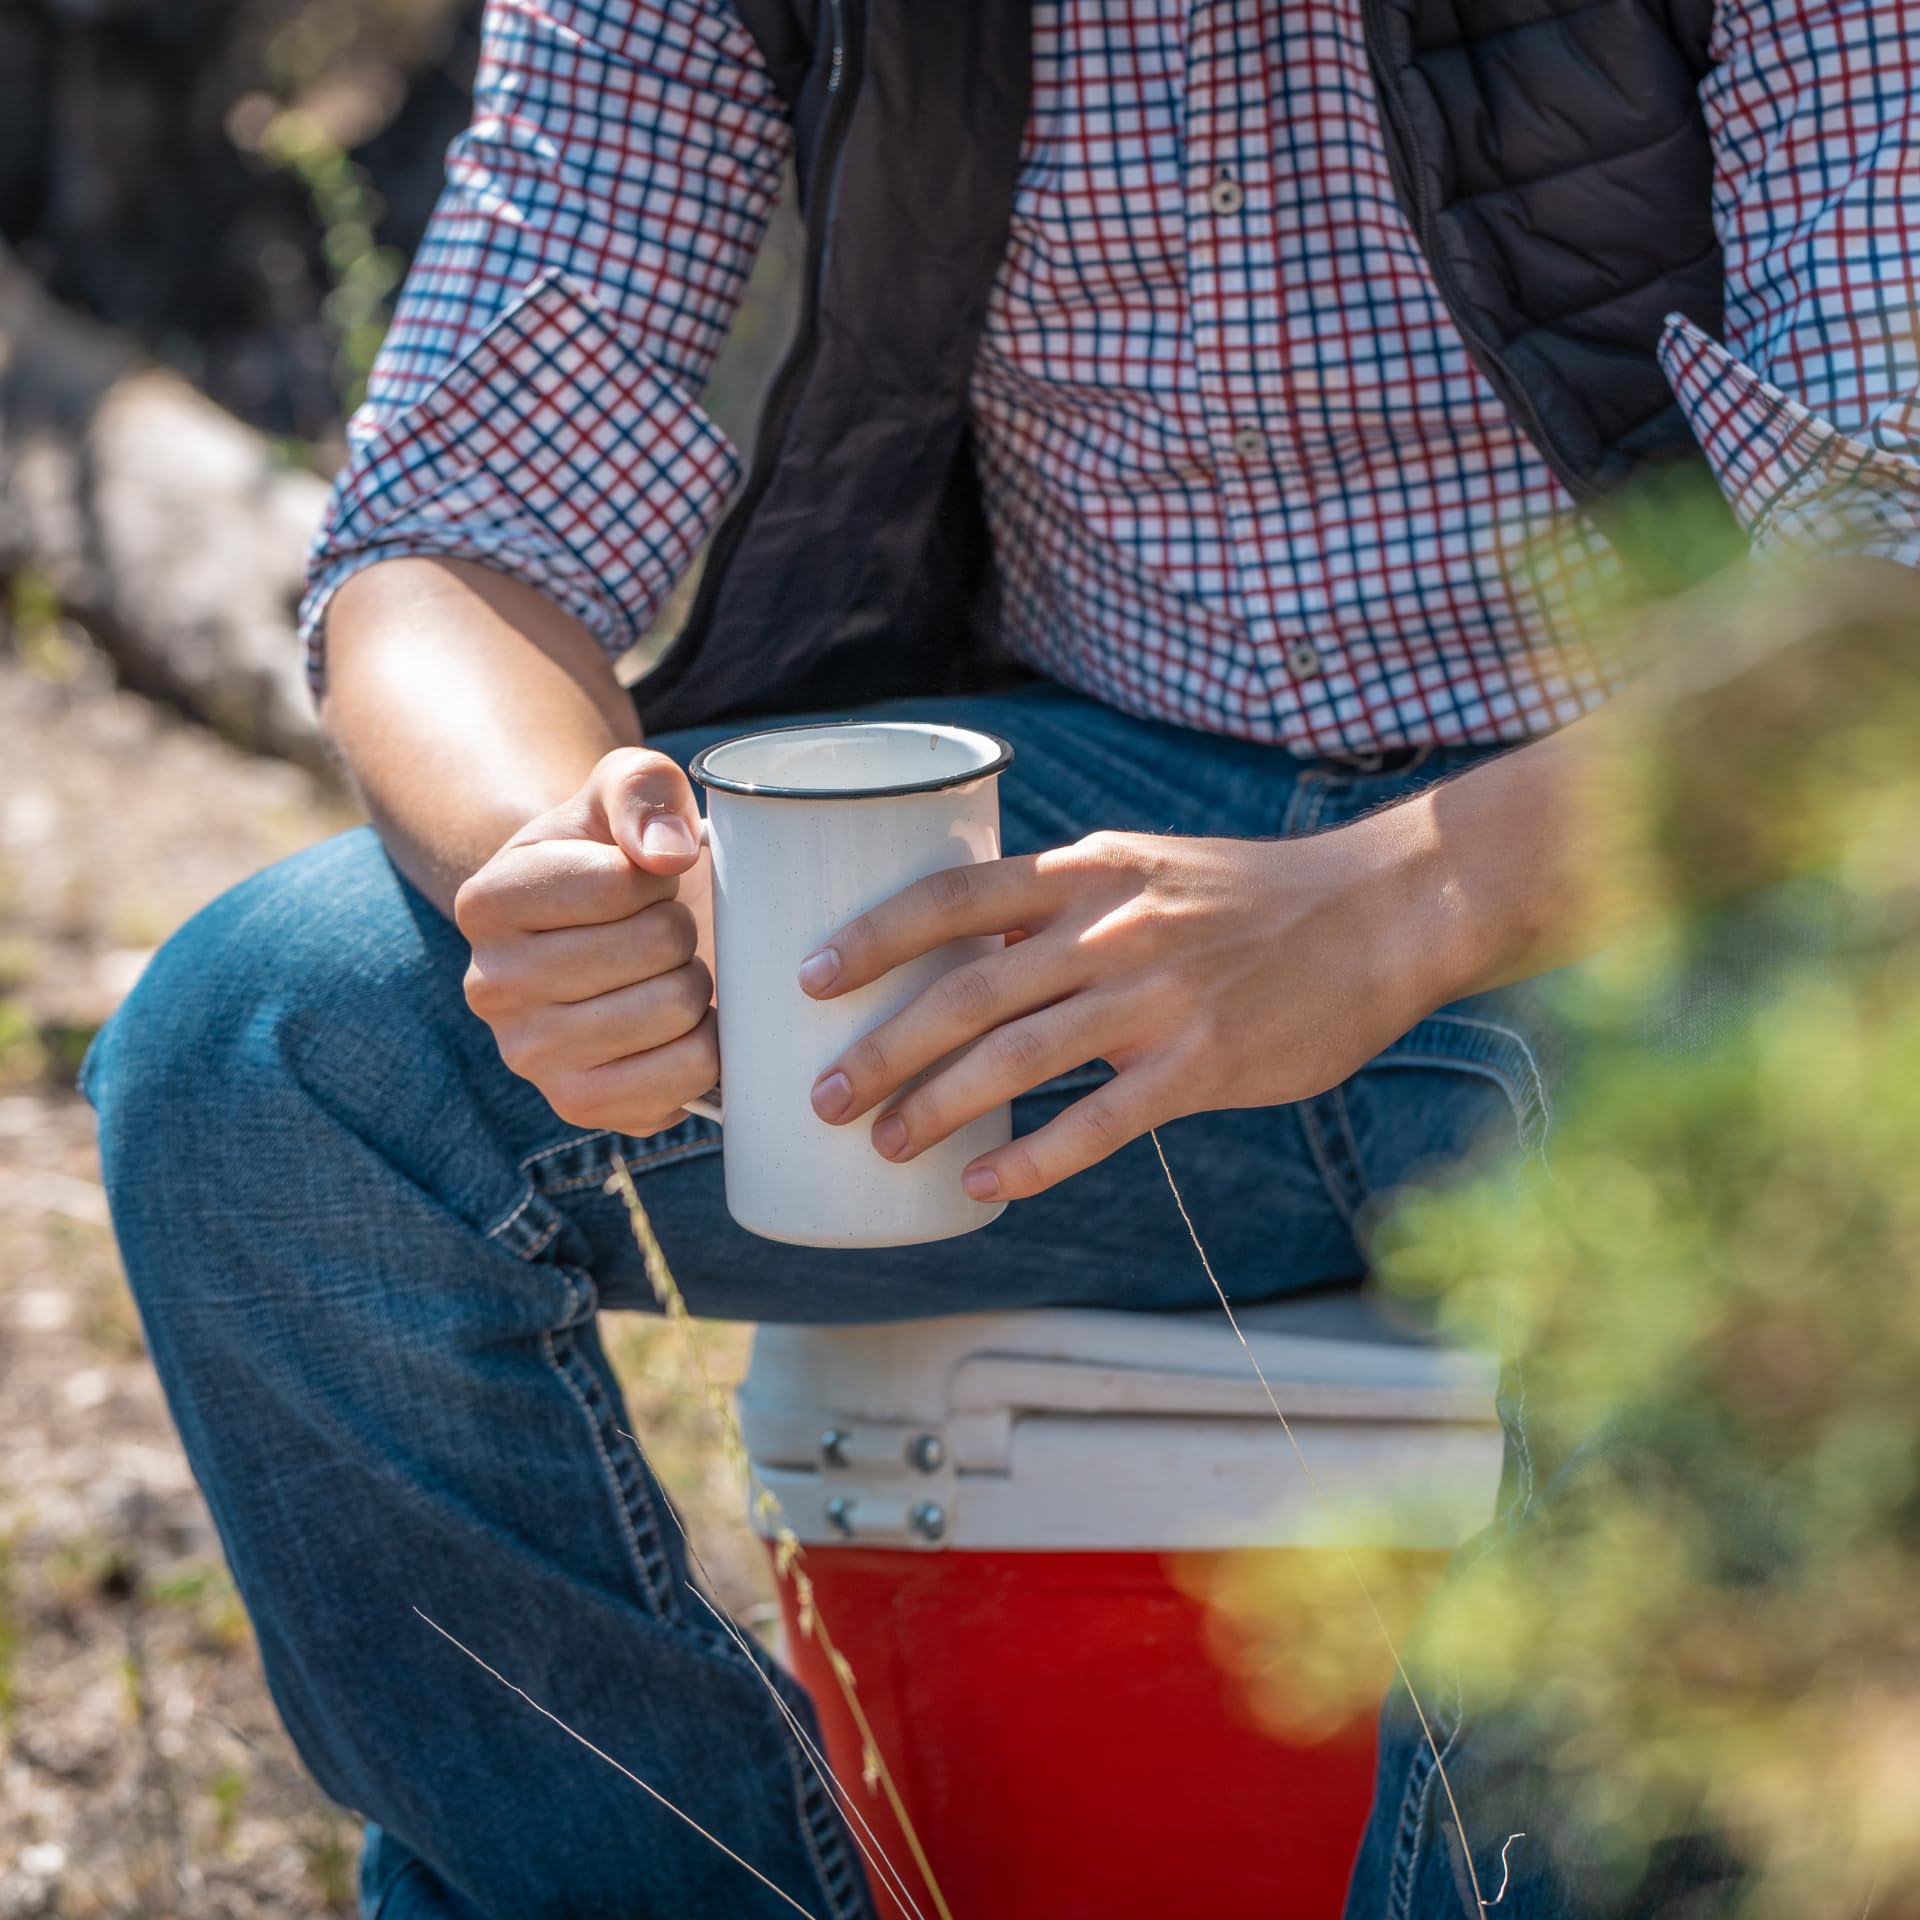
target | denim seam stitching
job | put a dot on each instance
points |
(1405, 1851)
(1539, 1104)
(804, 1807)
(636, 1492)
(1414, 1838)
(684, 1151)
(533, 1187)
(1485, 1069)
(807, 1803)
(1520, 1438)
(1310, 1130)
(526, 1200)
(1447, 1751)
(662, 1606)
(598, 1178)
(1417, 1834)
(563, 1146)
(1306, 788)
(1339, 1098)
(637, 1163)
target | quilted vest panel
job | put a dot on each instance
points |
(1554, 160)
(1552, 156)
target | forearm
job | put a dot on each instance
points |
(464, 703)
(1541, 856)
(1497, 867)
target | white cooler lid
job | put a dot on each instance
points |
(1080, 1430)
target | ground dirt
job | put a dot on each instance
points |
(142, 1770)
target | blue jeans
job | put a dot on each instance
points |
(370, 1263)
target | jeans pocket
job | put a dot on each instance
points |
(1481, 1039)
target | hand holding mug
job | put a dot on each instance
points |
(585, 957)
(1209, 973)
(586, 963)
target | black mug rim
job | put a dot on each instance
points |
(699, 768)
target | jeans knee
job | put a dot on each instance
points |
(255, 1005)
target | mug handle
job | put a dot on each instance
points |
(709, 1106)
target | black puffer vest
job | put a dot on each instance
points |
(1551, 155)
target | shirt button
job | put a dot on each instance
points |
(1225, 196)
(1249, 443)
(1303, 660)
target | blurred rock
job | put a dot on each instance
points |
(172, 533)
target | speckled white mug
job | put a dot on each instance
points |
(808, 827)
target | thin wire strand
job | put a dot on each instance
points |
(1319, 1493)
(842, 1671)
(600, 1753)
(674, 1308)
(890, 1875)
(1504, 1851)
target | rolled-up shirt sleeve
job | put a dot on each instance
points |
(1809, 410)
(534, 406)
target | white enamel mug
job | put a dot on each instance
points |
(810, 826)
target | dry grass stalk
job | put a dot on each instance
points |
(788, 1556)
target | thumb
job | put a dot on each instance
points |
(647, 805)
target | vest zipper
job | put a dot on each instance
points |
(1412, 181)
(777, 413)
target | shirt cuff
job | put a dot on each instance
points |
(550, 450)
(1796, 481)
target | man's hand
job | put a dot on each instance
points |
(586, 962)
(1210, 973)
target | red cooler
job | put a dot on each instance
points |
(991, 1507)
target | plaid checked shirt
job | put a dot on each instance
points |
(1240, 470)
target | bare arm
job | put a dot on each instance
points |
(473, 702)
(502, 765)
(465, 704)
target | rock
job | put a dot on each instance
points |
(203, 534)
(173, 534)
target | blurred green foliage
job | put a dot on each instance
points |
(228, 1791)
(1708, 1289)
(330, 1847)
(10, 1636)
(33, 622)
(364, 274)
(204, 1592)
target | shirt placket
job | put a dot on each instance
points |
(1242, 228)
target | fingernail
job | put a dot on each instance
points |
(665, 836)
(890, 1137)
(832, 1096)
(981, 1183)
(818, 971)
